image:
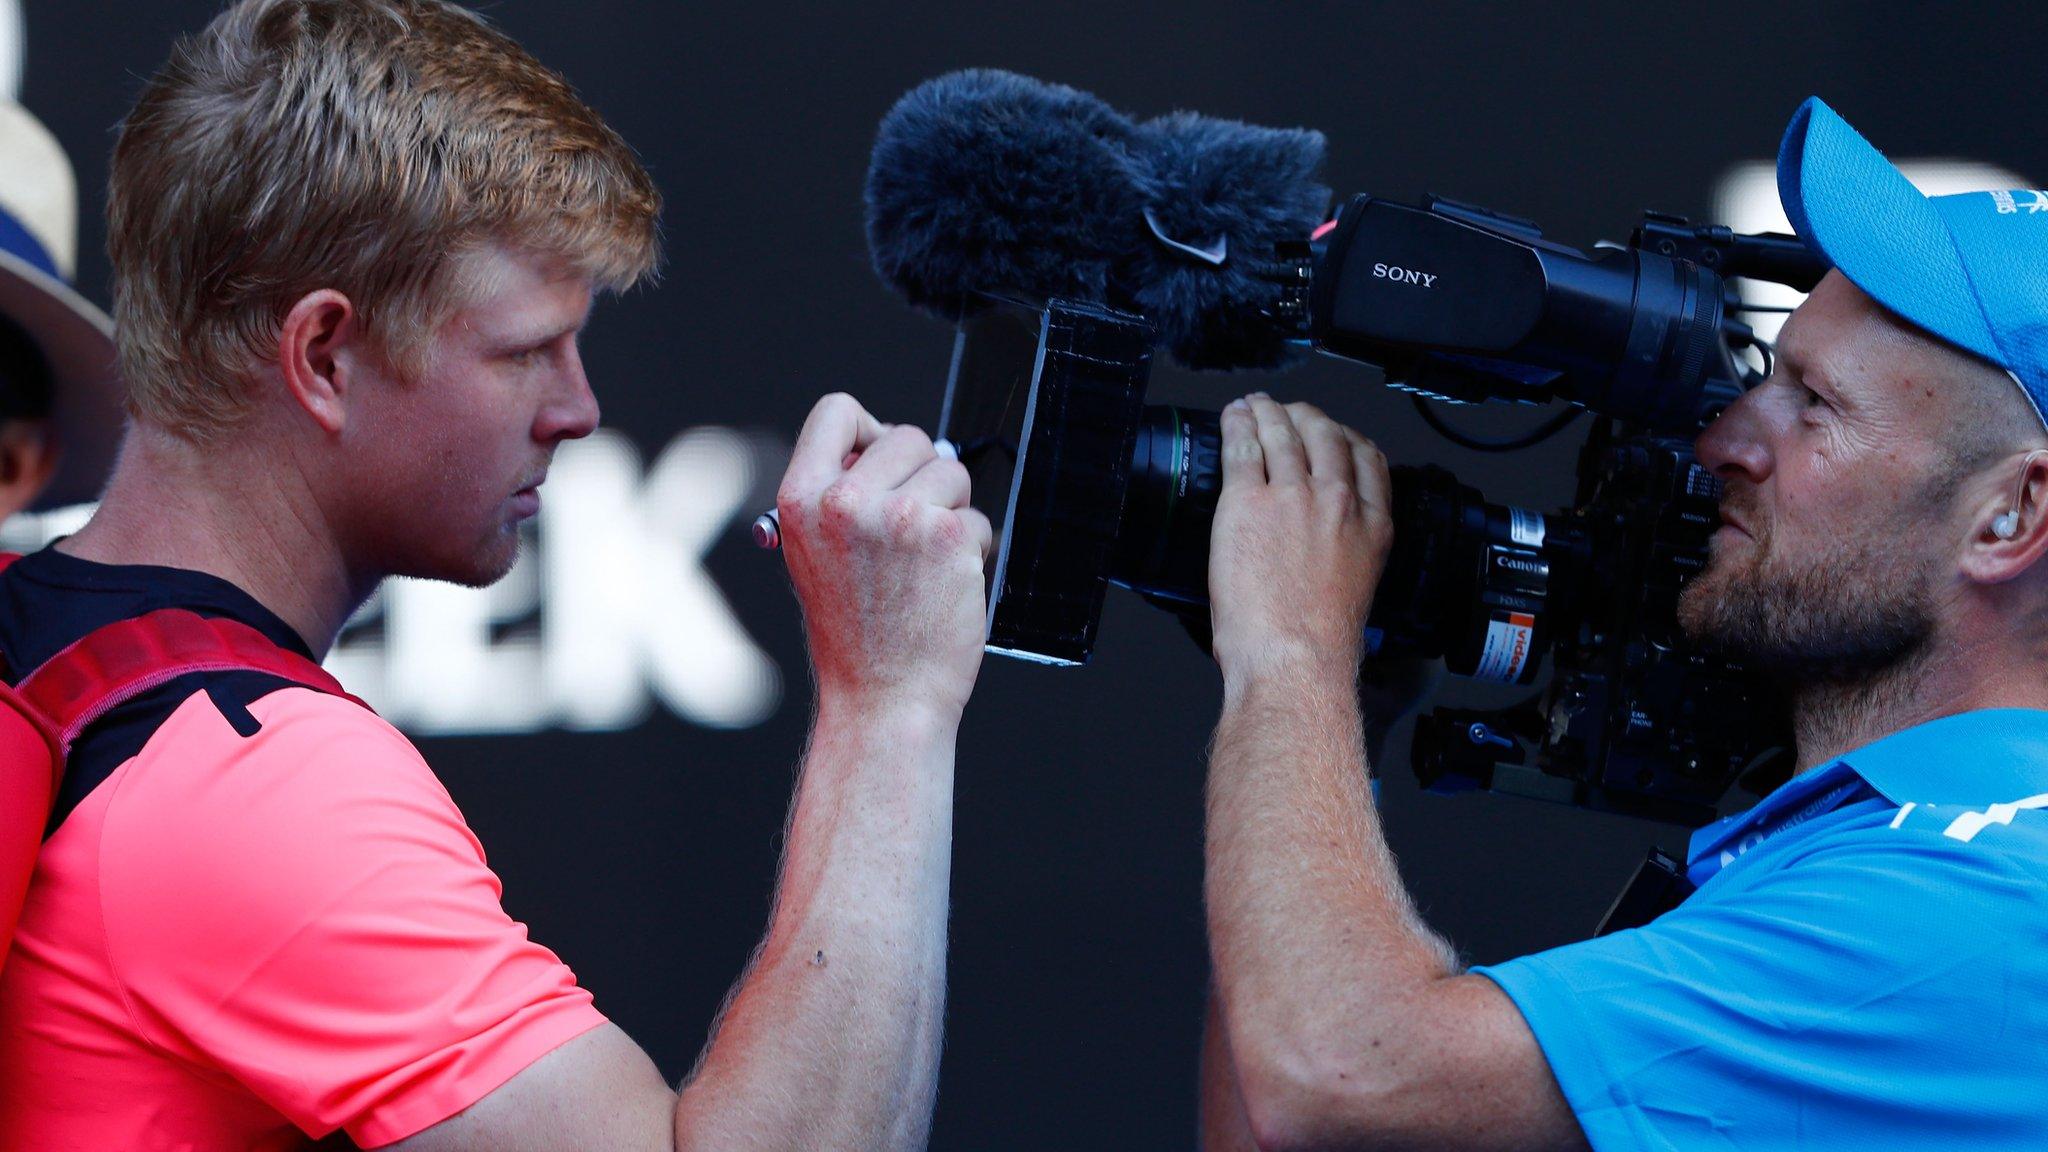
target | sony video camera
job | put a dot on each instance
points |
(1088, 486)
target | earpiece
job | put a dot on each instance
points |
(2007, 525)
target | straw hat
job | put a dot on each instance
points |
(38, 253)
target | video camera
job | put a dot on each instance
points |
(1088, 486)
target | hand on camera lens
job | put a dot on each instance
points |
(887, 557)
(1302, 532)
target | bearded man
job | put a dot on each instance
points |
(1861, 964)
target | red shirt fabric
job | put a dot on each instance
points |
(267, 924)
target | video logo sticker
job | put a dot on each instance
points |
(1509, 637)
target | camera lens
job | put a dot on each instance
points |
(1176, 473)
(1470, 581)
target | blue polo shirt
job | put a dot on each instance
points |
(1865, 964)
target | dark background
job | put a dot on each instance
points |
(645, 858)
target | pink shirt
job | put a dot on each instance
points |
(248, 942)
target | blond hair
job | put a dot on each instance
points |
(366, 146)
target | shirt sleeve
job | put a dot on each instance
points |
(1881, 990)
(306, 911)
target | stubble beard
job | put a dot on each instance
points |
(492, 562)
(483, 563)
(1859, 614)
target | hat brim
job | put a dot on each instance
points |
(77, 340)
(1862, 215)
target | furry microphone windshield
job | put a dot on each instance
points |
(986, 181)
(989, 182)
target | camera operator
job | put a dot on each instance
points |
(1861, 964)
(354, 245)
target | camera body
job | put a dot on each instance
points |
(1090, 487)
(1634, 718)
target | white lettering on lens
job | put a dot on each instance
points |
(1402, 275)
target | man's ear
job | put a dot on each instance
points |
(2009, 535)
(312, 355)
(28, 458)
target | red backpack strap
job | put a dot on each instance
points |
(119, 661)
(10, 700)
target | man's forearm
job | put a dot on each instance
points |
(1318, 953)
(1342, 1013)
(1220, 1121)
(831, 1039)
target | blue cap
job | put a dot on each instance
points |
(1972, 268)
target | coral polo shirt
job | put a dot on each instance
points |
(259, 918)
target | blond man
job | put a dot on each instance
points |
(354, 244)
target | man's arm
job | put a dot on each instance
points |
(1346, 1020)
(1388, 691)
(1220, 1122)
(831, 1038)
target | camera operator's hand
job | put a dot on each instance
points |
(887, 557)
(1302, 531)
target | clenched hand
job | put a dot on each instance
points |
(887, 557)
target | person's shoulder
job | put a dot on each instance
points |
(256, 743)
(297, 721)
(230, 827)
(2017, 828)
(1929, 874)
(293, 900)
(2009, 837)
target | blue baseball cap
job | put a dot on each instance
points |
(1971, 268)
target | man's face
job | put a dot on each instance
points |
(1836, 542)
(450, 461)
